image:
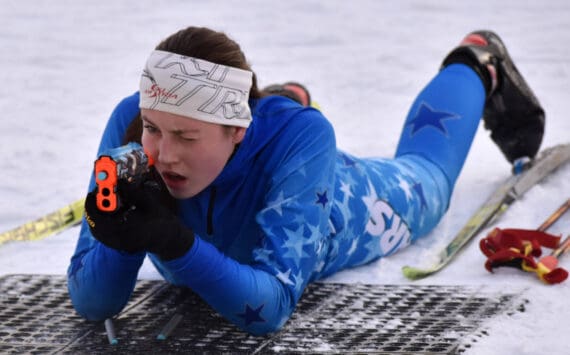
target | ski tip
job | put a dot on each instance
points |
(413, 273)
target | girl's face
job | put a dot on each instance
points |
(188, 154)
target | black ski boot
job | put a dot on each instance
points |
(292, 90)
(512, 112)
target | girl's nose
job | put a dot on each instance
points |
(166, 152)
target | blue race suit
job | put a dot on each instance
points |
(290, 208)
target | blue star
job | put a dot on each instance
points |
(322, 199)
(347, 160)
(252, 315)
(420, 191)
(426, 116)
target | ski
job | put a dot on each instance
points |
(499, 201)
(47, 225)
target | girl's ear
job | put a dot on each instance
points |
(238, 134)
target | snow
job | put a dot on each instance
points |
(67, 63)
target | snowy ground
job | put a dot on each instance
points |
(66, 63)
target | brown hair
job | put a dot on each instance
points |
(206, 44)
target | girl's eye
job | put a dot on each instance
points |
(150, 129)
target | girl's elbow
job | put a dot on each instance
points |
(91, 307)
(94, 312)
(267, 327)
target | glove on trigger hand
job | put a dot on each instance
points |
(142, 223)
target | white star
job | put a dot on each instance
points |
(285, 277)
(299, 280)
(352, 247)
(331, 226)
(407, 189)
(344, 187)
(276, 204)
(320, 266)
(262, 255)
(294, 244)
(315, 234)
(373, 247)
(371, 198)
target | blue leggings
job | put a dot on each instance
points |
(382, 205)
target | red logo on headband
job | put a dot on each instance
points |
(157, 91)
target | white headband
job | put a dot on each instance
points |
(196, 88)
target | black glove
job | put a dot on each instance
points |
(142, 223)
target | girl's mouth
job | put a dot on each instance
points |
(172, 179)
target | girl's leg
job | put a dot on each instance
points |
(443, 120)
(382, 205)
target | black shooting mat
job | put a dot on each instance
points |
(36, 317)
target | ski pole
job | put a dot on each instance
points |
(548, 264)
(562, 249)
(555, 216)
(565, 245)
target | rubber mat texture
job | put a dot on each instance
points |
(36, 317)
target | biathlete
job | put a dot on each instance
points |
(249, 199)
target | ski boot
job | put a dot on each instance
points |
(292, 90)
(512, 113)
